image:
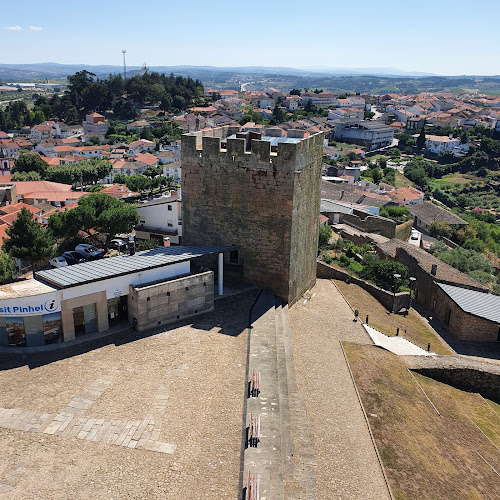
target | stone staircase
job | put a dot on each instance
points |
(284, 458)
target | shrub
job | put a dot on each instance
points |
(328, 259)
(355, 267)
(325, 233)
(344, 260)
(439, 228)
(381, 272)
(397, 214)
(146, 244)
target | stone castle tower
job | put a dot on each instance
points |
(260, 192)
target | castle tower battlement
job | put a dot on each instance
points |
(260, 192)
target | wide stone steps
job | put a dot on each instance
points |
(285, 455)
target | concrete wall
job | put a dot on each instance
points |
(67, 306)
(267, 203)
(379, 225)
(387, 299)
(462, 325)
(166, 301)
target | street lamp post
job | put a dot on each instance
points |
(412, 281)
(396, 277)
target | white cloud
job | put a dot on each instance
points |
(36, 28)
(13, 28)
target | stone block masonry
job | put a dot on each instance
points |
(390, 301)
(163, 302)
(264, 201)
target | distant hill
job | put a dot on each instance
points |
(365, 80)
(50, 70)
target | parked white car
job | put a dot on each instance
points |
(58, 262)
(414, 234)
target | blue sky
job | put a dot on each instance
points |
(439, 36)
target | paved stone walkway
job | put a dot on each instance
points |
(397, 345)
(149, 416)
(347, 466)
(129, 433)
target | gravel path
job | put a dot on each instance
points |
(347, 466)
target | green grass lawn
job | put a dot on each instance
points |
(455, 179)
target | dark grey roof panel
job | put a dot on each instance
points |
(87, 272)
(480, 304)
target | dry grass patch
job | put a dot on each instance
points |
(426, 455)
(417, 331)
(402, 181)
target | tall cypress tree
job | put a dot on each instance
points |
(28, 240)
(421, 140)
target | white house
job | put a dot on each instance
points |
(160, 218)
(173, 170)
(168, 157)
(41, 132)
(437, 143)
(88, 151)
(292, 102)
(141, 146)
(357, 101)
(266, 102)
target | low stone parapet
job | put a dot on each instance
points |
(390, 301)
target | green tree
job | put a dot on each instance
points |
(7, 267)
(439, 228)
(120, 179)
(395, 153)
(28, 240)
(278, 116)
(376, 175)
(39, 117)
(25, 176)
(97, 212)
(147, 134)
(381, 272)
(30, 162)
(325, 233)
(421, 140)
(382, 161)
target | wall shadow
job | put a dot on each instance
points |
(490, 350)
(230, 316)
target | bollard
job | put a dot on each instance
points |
(366, 319)
(429, 347)
(397, 332)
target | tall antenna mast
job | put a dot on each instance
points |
(124, 65)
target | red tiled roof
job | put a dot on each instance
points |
(52, 196)
(16, 207)
(119, 189)
(3, 228)
(23, 187)
(147, 158)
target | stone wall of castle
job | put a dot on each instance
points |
(265, 202)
